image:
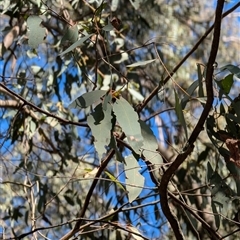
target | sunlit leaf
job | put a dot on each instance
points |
(135, 230)
(114, 5)
(100, 123)
(87, 99)
(136, 95)
(119, 184)
(76, 44)
(124, 57)
(133, 177)
(36, 32)
(150, 145)
(136, 3)
(128, 120)
(141, 63)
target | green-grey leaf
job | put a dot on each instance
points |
(76, 44)
(71, 35)
(108, 27)
(231, 68)
(179, 112)
(150, 145)
(226, 83)
(118, 154)
(216, 215)
(107, 99)
(200, 81)
(190, 91)
(141, 63)
(133, 177)
(100, 123)
(87, 99)
(36, 33)
(128, 120)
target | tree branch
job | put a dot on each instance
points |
(156, 89)
(89, 194)
(198, 128)
(62, 120)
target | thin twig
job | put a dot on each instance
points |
(156, 89)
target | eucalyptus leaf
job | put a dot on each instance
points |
(133, 177)
(76, 44)
(179, 112)
(87, 99)
(108, 27)
(226, 83)
(216, 215)
(114, 179)
(231, 68)
(190, 92)
(150, 145)
(128, 120)
(36, 33)
(100, 123)
(141, 63)
(71, 35)
(200, 81)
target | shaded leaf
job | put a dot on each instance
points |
(235, 172)
(113, 144)
(76, 44)
(179, 112)
(216, 215)
(128, 120)
(141, 63)
(71, 35)
(100, 123)
(190, 91)
(133, 177)
(69, 200)
(231, 68)
(87, 99)
(107, 99)
(200, 81)
(226, 83)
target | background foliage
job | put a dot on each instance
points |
(95, 104)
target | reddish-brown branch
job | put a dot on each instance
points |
(199, 127)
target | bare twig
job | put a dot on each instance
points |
(156, 89)
(62, 120)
